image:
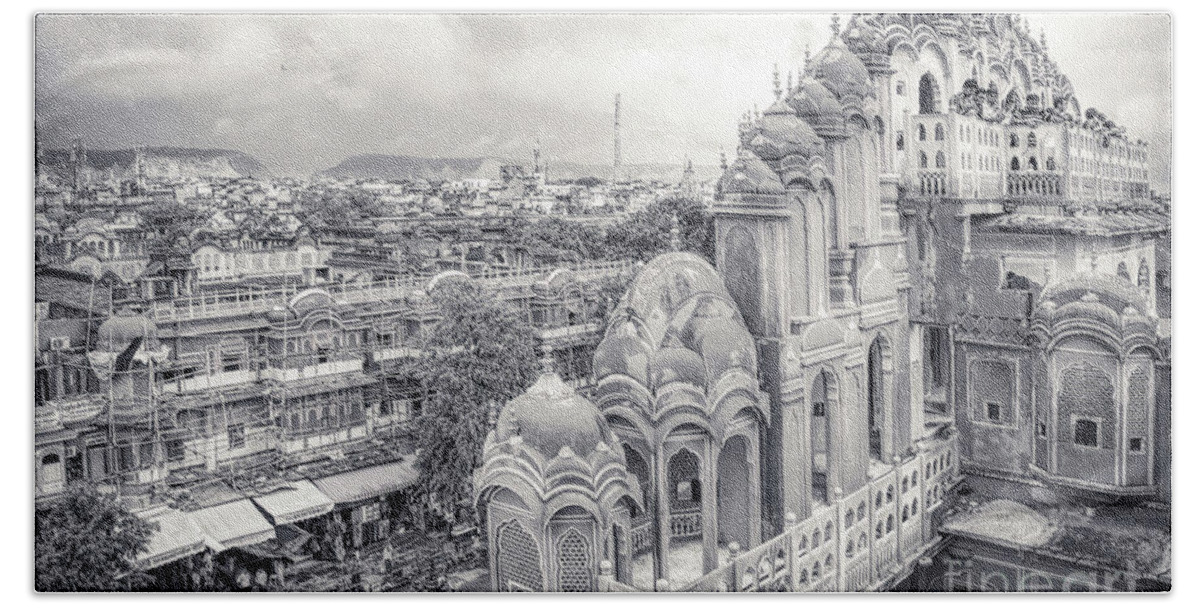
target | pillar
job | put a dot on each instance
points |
(708, 505)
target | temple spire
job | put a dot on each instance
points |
(834, 26)
(676, 244)
(789, 82)
(778, 91)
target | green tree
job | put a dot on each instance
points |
(86, 541)
(479, 354)
(647, 233)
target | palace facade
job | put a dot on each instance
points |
(935, 309)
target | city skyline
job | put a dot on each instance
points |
(304, 92)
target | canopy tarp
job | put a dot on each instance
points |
(361, 484)
(235, 524)
(295, 501)
(177, 536)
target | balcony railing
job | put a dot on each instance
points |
(854, 552)
(931, 183)
(1038, 183)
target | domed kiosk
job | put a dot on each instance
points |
(554, 493)
(676, 378)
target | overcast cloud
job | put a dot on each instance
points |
(302, 92)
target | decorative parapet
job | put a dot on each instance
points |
(858, 542)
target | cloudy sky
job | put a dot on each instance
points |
(302, 92)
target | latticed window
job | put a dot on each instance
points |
(518, 561)
(574, 563)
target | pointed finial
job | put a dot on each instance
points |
(547, 359)
(1042, 37)
(724, 163)
(806, 56)
(676, 245)
(833, 25)
(778, 92)
(492, 414)
(789, 86)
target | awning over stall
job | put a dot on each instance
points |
(177, 537)
(361, 484)
(294, 501)
(234, 524)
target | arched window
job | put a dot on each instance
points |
(1013, 141)
(927, 95)
(1123, 271)
(1143, 278)
(575, 571)
(939, 133)
(921, 135)
(900, 142)
(1032, 139)
(940, 160)
(891, 522)
(1049, 163)
(878, 530)
(904, 513)
(1015, 165)
(1033, 165)
(922, 160)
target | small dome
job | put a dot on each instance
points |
(119, 331)
(550, 416)
(750, 175)
(676, 364)
(816, 104)
(841, 71)
(782, 133)
(624, 350)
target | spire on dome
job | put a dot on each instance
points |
(778, 92)
(789, 82)
(724, 163)
(676, 245)
(834, 26)
(806, 57)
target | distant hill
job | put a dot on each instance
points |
(161, 162)
(385, 166)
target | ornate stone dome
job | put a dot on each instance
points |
(841, 71)
(697, 338)
(551, 416)
(750, 175)
(624, 350)
(676, 363)
(781, 133)
(816, 105)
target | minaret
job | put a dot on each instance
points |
(617, 139)
(778, 91)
